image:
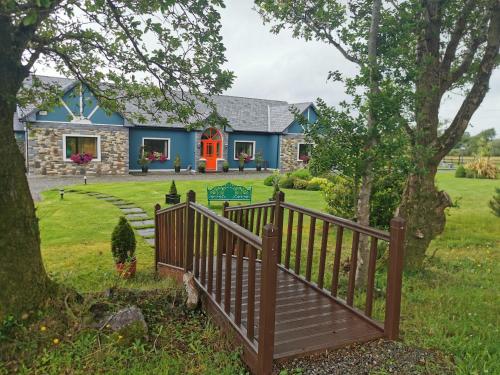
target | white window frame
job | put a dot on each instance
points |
(160, 139)
(298, 148)
(243, 141)
(98, 137)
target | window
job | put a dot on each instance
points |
(81, 144)
(157, 146)
(304, 152)
(245, 147)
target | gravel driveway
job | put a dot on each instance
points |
(42, 183)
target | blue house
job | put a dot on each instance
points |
(257, 128)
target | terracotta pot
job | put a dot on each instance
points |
(127, 270)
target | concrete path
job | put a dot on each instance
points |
(41, 183)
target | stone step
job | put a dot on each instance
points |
(133, 217)
(143, 223)
(150, 241)
(148, 232)
(131, 210)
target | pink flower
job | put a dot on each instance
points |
(81, 158)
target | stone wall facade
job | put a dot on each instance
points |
(289, 152)
(46, 154)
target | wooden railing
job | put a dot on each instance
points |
(215, 249)
(326, 235)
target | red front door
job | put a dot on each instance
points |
(210, 154)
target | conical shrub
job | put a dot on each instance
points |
(123, 242)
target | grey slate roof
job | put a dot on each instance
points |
(243, 114)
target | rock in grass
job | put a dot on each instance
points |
(128, 324)
(193, 296)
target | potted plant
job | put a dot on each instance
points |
(242, 160)
(144, 160)
(82, 160)
(123, 249)
(225, 166)
(202, 166)
(172, 197)
(177, 163)
(259, 159)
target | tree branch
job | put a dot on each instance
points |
(479, 88)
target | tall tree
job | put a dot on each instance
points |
(428, 47)
(162, 56)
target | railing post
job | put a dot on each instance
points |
(157, 237)
(189, 232)
(267, 299)
(225, 213)
(278, 220)
(394, 279)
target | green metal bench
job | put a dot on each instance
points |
(229, 192)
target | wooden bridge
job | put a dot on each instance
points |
(284, 290)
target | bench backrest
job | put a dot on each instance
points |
(229, 192)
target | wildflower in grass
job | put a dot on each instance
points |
(56, 341)
(43, 328)
(120, 337)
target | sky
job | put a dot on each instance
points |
(283, 68)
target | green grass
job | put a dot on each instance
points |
(452, 306)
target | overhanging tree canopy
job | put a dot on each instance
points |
(164, 56)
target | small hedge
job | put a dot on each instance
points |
(460, 172)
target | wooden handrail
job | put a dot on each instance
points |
(171, 208)
(228, 225)
(380, 234)
(253, 205)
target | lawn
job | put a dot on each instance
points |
(452, 306)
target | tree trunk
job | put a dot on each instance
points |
(423, 207)
(24, 282)
(363, 208)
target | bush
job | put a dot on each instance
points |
(339, 198)
(300, 184)
(317, 183)
(460, 172)
(303, 174)
(269, 180)
(123, 242)
(287, 182)
(173, 188)
(469, 173)
(495, 203)
(483, 168)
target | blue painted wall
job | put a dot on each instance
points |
(268, 144)
(182, 142)
(72, 100)
(296, 128)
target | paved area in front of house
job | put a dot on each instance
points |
(41, 183)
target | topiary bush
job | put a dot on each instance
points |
(123, 242)
(300, 184)
(173, 188)
(460, 172)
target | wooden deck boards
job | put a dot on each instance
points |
(307, 321)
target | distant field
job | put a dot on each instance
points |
(467, 159)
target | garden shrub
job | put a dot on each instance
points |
(469, 173)
(123, 242)
(286, 182)
(460, 172)
(303, 174)
(300, 184)
(339, 198)
(483, 168)
(317, 183)
(269, 180)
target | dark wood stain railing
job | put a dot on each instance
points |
(238, 258)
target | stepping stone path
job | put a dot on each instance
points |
(145, 226)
